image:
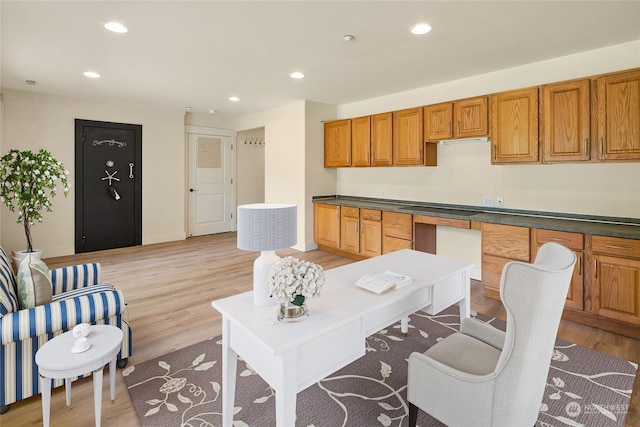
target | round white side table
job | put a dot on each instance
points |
(56, 361)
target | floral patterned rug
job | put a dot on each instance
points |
(183, 388)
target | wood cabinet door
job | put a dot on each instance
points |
(326, 225)
(370, 238)
(382, 139)
(408, 145)
(360, 141)
(514, 126)
(616, 288)
(471, 117)
(438, 121)
(337, 144)
(619, 116)
(350, 234)
(566, 123)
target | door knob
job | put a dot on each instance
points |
(192, 190)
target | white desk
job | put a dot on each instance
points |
(340, 319)
(55, 360)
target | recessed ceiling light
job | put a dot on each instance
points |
(348, 37)
(296, 75)
(420, 29)
(91, 74)
(234, 98)
(116, 27)
(212, 111)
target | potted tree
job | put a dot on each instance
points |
(29, 181)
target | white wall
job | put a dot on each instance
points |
(293, 164)
(34, 121)
(318, 179)
(464, 173)
(250, 166)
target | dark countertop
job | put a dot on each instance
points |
(576, 223)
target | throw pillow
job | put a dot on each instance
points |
(34, 285)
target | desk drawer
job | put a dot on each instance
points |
(506, 241)
(444, 222)
(323, 355)
(626, 248)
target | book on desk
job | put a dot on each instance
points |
(381, 282)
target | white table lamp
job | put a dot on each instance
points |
(266, 227)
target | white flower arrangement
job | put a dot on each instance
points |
(294, 280)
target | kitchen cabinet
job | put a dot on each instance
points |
(408, 146)
(575, 242)
(350, 229)
(361, 141)
(465, 118)
(370, 232)
(501, 244)
(397, 231)
(382, 139)
(326, 225)
(566, 123)
(615, 278)
(514, 126)
(337, 143)
(618, 111)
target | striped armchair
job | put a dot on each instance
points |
(78, 297)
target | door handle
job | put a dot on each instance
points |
(192, 190)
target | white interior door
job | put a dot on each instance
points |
(211, 191)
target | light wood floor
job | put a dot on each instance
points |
(169, 288)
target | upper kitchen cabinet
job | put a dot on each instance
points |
(618, 123)
(514, 126)
(337, 143)
(466, 118)
(361, 141)
(382, 139)
(566, 124)
(408, 146)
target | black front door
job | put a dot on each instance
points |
(108, 185)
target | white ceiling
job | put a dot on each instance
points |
(198, 53)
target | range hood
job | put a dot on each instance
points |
(463, 140)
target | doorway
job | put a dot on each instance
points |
(211, 186)
(108, 183)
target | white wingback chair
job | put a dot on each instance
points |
(482, 376)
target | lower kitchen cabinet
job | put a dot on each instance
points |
(615, 278)
(501, 244)
(397, 231)
(326, 225)
(350, 229)
(575, 242)
(370, 232)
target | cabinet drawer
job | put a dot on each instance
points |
(445, 222)
(371, 214)
(397, 225)
(506, 241)
(492, 271)
(627, 248)
(392, 244)
(349, 211)
(573, 241)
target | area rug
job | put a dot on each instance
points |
(183, 388)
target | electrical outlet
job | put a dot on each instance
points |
(383, 194)
(487, 201)
(500, 201)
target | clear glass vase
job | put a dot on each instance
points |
(289, 312)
